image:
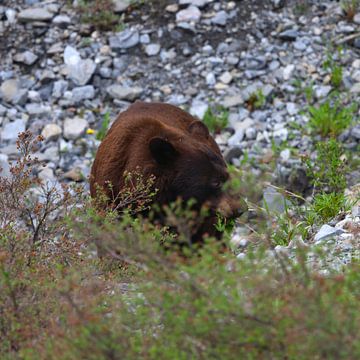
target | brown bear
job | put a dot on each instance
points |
(166, 142)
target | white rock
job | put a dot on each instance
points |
(236, 138)
(356, 19)
(226, 77)
(124, 92)
(10, 15)
(233, 100)
(322, 91)
(327, 231)
(210, 79)
(80, 71)
(61, 20)
(288, 71)
(35, 14)
(285, 155)
(172, 8)
(198, 108)
(121, 5)
(292, 108)
(74, 128)
(192, 13)
(355, 89)
(152, 49)
(51, 132)
(198, 3)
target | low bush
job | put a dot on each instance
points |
(144, 299)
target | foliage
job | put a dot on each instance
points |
(336, 71)
(327, 206)
(104, 127)
(216, 119)
(100, 14)
(328, 170)
(350, 7)
(256, 100)
(143, 299)
(331, 119)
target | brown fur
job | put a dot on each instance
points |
(165, 141)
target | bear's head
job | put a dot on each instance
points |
(191, 166)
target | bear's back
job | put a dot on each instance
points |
(165, 114)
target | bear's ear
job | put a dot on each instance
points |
(198, 128)
(162, 151)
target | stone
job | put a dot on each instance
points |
(355, 132)
(26, 57)
(172, 8)
(327, 231)
(59, 88)
(35, 14)
(236, 138)
(250, 133)
(61, 20)
(288, 35)
(288, 71)
(152, 49)
(10, 15)
(192, 13)
(220, 18)
(274, 201)
(210, 79)
(355, 89)
(4, 166)
(356, 18)
(11, 130)
(285, 155)
(322, 91)
(198, 108)
(124, 92)
(51, 132)
(124, 40)
(144, 39)
(82, 93)
(226, 77)
(46, 174)
(300, 45)
(255, 63)
(105, 72)
(121, 5)
(292, 108)
(231, 153)
(56, 48)
(281, 134)
(11, 92)
(74, 128)
(197, 3)
(74, 174)
(37, 109)
(79, 71)
(233, 100)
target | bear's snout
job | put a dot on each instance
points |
(230, 207)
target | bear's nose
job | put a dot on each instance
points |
(231, 208)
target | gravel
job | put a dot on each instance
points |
(59, 77)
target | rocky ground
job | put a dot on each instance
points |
(60, 77)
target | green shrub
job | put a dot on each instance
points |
(350, 7)
(327, 206)
(217, 119)
(143, 299)
(330, 119)
(327, 172)
(100, 14)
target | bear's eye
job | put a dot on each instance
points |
(216, 184)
